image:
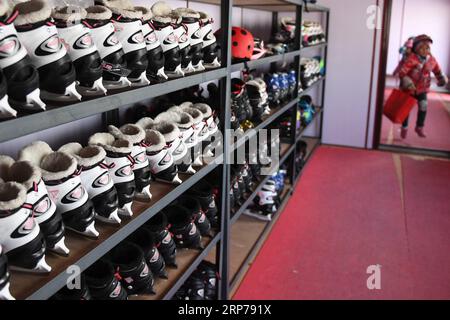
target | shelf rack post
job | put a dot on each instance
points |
(297, 45)
(222, 252)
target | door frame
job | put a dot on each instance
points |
(384, 50)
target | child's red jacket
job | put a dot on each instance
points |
(418, 72)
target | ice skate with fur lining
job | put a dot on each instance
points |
(38, 34)
(81, 49)
(114, 65)
(20, 78)
(161, 162)
(191, 19)
(174, 142)
(119, 161)
(96, 179)
(44, 209)
(128, 28)
(164, 31)
(141, 168)
(185, 123)
(155, 55)
(20, 235)
(61, 177)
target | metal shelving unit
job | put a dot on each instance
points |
(84, 252)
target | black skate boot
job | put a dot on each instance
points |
(103, 281)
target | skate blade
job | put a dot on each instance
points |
(199, 67)
(126, 211)
(208, 154)
(141, 81)
(189, 170)
(189, 69)
(112, 219)
(162, 74)
(32, 102)
(144, 195)
(214, 64)
(41, 267)
(89, 232)
(97, 89)
(71, 94)
(123, 82)
(176, 180)
(197, 162)
(178, 72)
(5, 294)
(258, 216)
(5, 109)
(60, 248)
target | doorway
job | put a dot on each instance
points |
(403, 19)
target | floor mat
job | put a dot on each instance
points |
(345, 216)
(427, 197)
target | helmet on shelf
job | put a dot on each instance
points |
(242, 44)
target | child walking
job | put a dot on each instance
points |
(415, 76)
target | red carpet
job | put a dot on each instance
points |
(437, 126)
(346, 215)
(427, 196)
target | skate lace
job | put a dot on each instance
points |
(133, 162)
(77, 172)
(117, 274)
(11, 18)
(107, 166)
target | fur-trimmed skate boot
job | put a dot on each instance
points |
(20, 235)
(39, 36)
(128, 28)
(141, 168)
(155, 54)
(62, 179)
(161, 161)
(96, 179)
(44, 209)
(119, 162)
(20, 78)
(81, 49)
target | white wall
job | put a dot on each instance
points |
(349, 70)
(414, 17)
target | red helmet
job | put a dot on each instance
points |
(242, 44)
